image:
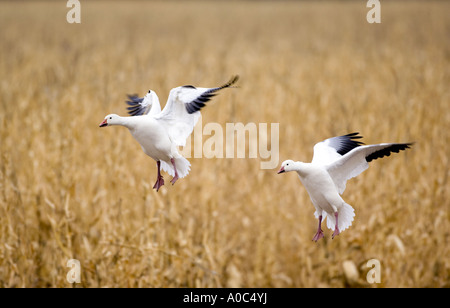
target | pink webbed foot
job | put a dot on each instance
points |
(175, 178)
(336, 229)
(336, 232)
(159, 183)
(159, 179)
(318, 235)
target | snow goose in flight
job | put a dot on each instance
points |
(335, 161)
(160, 132)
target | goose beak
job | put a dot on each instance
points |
(281, 170)
(104, 123)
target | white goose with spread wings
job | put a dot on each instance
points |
(335, 161)
(160, 132)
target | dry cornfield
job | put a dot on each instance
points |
(70, 190)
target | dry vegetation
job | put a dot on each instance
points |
(71, 190)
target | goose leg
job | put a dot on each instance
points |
(319, 233)
(159, 180)
(336, 229)
(175, 178)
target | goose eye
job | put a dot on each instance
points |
(110, 118)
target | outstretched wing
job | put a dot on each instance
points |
(356, 161)
(194, 98)
(149, 104)
(182, 110)
(332, 149)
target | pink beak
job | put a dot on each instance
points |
(281, 170)
(104, 123)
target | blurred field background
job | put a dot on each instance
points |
(69, 189)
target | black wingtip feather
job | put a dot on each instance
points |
(232, 81)
(189, 86)
(134, 101)
(191, 109)
(348, 143)
(354, 135)
(387, 151)
(200, 101)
